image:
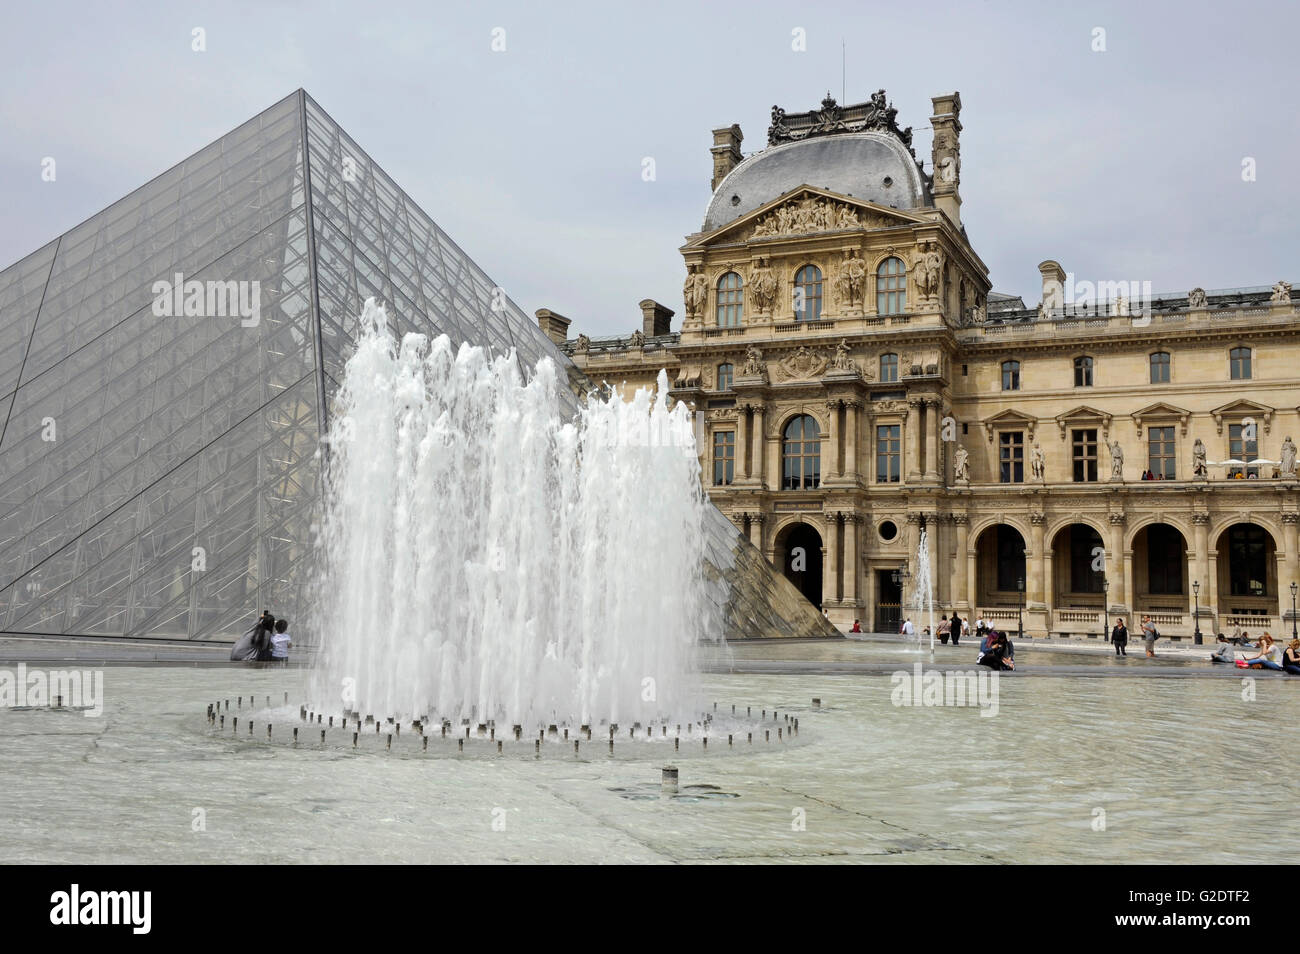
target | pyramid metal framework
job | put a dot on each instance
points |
(159, 473)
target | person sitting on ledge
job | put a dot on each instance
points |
(1268, 657)
(1000, 654)
(1224, 652)
(1291, 658)
(857, 627)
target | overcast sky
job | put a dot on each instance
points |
(1122, 164)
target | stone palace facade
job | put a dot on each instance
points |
(857, 384)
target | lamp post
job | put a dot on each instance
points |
(1020, 609)
(1294, 587)
(1105, 605)
(1196, 615)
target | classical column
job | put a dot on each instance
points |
(1115, 560)
(933, 407)
(959, 570)
(851, 424)
(1034, 597)
(837, 459)
(1129, 590)
(833, 545)
(1290, 540)
(760, 443)
(742, 441)
(1201, 571)
(912, 439)
(756, 530)
(1211, 600)
(851, 521)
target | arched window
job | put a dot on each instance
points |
(891, 287)
(731, 301)
(808, 294)
(725, 373)
(1083, 372)
(1239, 363)
(1011, 375)
(801, 454)
(1160, 367)
(888, 368)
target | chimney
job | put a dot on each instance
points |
(656, 319)
(554, 326)
(726, 152)
(946, 155)
(1053, 286)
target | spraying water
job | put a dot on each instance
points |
(924, 593)
(484, 557)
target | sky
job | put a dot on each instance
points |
(1150, 142)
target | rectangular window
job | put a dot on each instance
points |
(1239, 448)
(1160, 452)
(1160, 367)
(1011, 375)
(1239, 363)
(1083, 447)
(1011, 457)
(724, 458)
(888, 453)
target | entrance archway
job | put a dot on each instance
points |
(799, 552)
(1000, 567)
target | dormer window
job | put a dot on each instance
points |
(731, 301)
(808, 294)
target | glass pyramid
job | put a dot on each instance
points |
(158, 474)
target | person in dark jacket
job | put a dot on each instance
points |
(1119, 637)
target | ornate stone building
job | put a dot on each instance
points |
(856, 384)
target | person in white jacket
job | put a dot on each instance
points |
(908, 628)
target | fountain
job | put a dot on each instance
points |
(923, 594)
(483, 558)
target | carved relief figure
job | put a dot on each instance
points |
(929, 271)
(802, 364)
(806, 215)
(583, 345)
(754, 365)
(695, 291)
(1037, 463)
(1288, 457)
(763, 286)
(841, 361)
(961, 465)
(1198, 459)
(1196, 298)
(1116, 459)
(637, 339)
(1281, 293)
(856, 271)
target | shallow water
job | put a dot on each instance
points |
(870, 781)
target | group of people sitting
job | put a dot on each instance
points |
(1269, 655)
(267, 641)
(996, 650)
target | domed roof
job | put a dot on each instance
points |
(871, 165)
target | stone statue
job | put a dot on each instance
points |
(637, 340)
(1281, 293)
(753, 366)
(961, 466)
(695, 291)
(762, 286)
(1116, 460)
(841, 361)
(1037, 463)
(842, 288)
(856, 270)
(1288, 457)
(929, 271)
(1198, 459)
(979, 315)
(1196, 298)
(583, 345)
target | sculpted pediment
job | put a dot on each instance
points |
(807, 210)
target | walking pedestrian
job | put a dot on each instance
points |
(1119, 637)
(1149, 635)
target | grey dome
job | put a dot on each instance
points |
(855, 164)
